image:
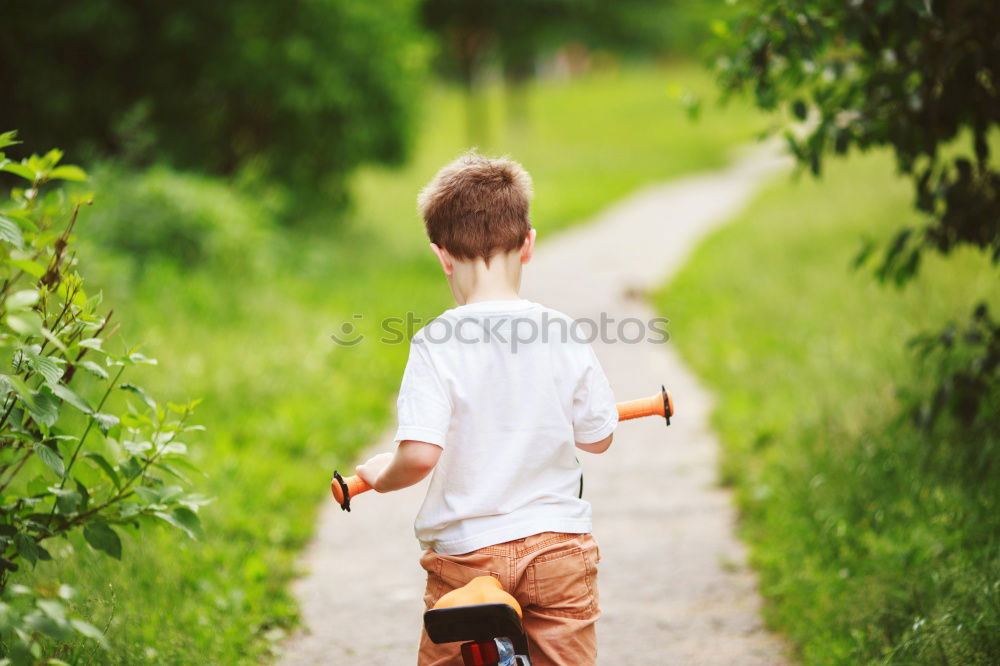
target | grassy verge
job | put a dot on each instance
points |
(250, 333)
(875, 542)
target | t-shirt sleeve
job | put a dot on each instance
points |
(424, 407)
(595, 414)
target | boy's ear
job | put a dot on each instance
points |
(447, 263)
(528, 247)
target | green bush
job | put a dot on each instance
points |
(75, 455)
(187, 219)
(916, 77)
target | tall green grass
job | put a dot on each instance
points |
(876, 543)
(248, 329)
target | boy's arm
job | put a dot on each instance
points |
(411, 462)
(597, 447)
(595, 415)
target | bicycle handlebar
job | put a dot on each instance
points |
(658, 404)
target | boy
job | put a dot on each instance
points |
(495, 399)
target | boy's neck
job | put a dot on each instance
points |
(473, 281)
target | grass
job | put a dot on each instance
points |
(876, 543)
(283, 405)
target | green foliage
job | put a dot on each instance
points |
(514, 35)
(917, 77)
(876, 542)
(160, 214)
(306, 89)
(58, 472)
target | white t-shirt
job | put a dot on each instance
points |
(505, 388)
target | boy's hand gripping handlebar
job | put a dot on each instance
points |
(658, 404)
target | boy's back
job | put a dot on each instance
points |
(496, 398)
(507, 392)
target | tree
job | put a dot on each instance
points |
(514, 33)
(922, 78)
(309, 88)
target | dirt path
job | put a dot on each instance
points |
(673, 577)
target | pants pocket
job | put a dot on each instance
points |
(565, 585)
(444, 575)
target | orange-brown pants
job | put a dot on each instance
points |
(554, 578)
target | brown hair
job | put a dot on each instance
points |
(477, 206)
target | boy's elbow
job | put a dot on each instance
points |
(421, 457)
(423, 466)
(597, 447)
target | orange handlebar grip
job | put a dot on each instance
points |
(659, 404)
(344, 489)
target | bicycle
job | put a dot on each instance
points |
(481, 616)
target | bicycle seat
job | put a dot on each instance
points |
(480, 610)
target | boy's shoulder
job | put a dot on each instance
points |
(499, 319)
(493, 310)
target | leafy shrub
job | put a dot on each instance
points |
(920, 78)
(187, 219)
(76, 454)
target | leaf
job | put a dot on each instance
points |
(53, 609)
(11, 232)
(26, 547)
(182, 463)
(19, 170)
(22, 217)
(44, 408)
(130, 468)
(137, 448)
(48, 367)
(25, 323)
(17, 385)
(138, 391)
(101, 537)
(799, 109)
(68, 172)
(21, 300)
(45, 624)
(72, 397)
(185, 519)
(51, 337)
(94, 369)
(32, 268)
(51, 458)
(105, 421)
(147, 494)
(105, 466)
(137, 358)
(194, 501)
(90, 631)
(91, 343)
(175, 448)
(170, 493)
(171, 471)
(8, 139)
(67, 501)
